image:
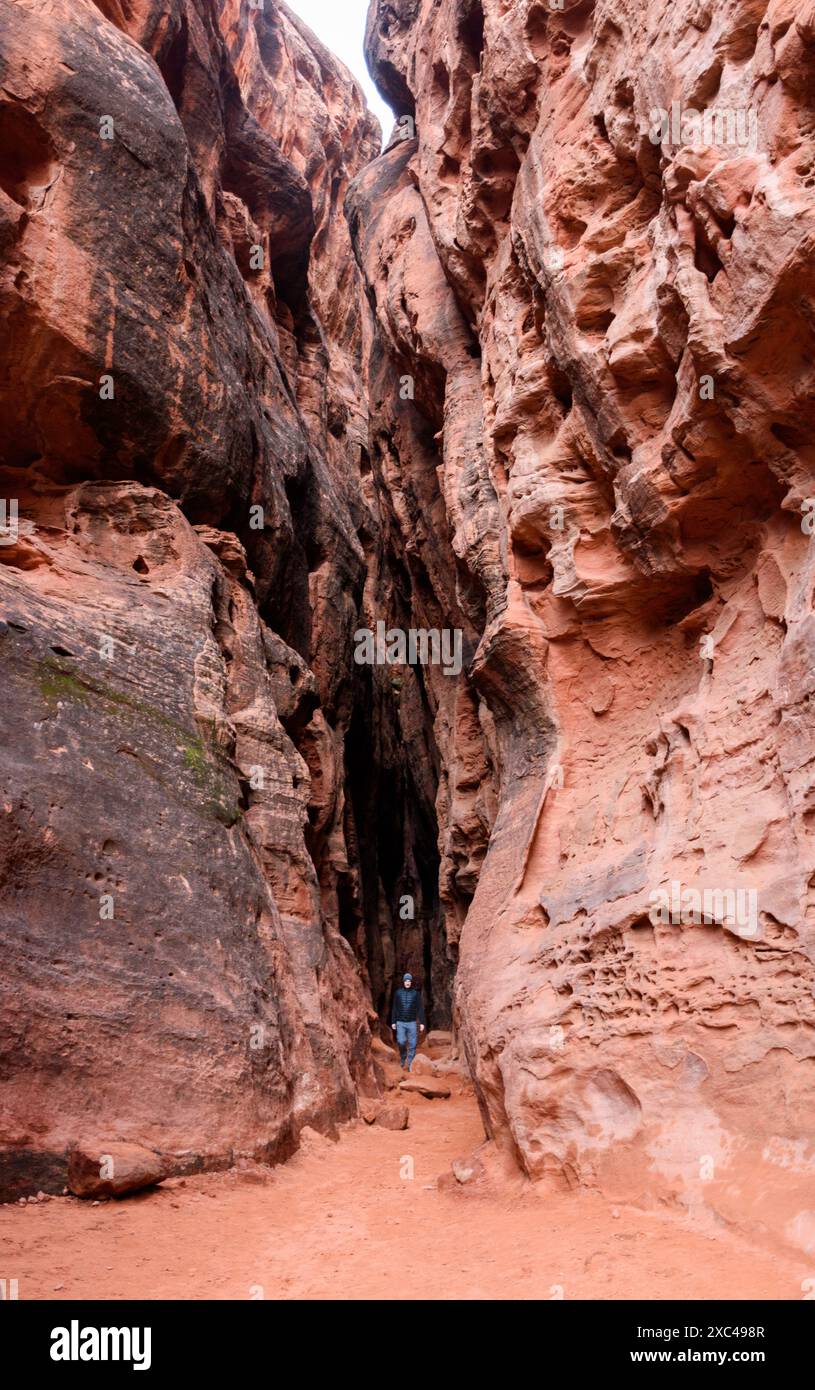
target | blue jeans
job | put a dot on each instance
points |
(406, 1034)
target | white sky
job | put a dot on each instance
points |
(340, 24)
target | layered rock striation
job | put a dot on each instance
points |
(195, 895)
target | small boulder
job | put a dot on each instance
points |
(422, 1065)
(463, 1172)
(112, 1170)
(426, 1086)
(467, 1170)
(448, 1067)
(248, 1171)
(393, 1117)
(369, 1109)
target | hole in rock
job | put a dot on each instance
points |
(27, 158)
(706, 259)
(561, 388)
(727, 225)
(173, 63)
(791, 437)
(471, 32)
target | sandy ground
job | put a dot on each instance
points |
(341, 1221)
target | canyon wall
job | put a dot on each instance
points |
(195, 894)
(540, 375)
(590, 247)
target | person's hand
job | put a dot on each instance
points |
(421, 1027)
(393, 1027)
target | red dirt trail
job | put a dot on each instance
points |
(340, 1221)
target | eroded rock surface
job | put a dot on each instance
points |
(608, 314)
(558, 400)
(190, 913)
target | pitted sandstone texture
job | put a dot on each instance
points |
(612, 339)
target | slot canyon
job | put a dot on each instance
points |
(524, 371)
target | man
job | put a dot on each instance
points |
(407, 1015)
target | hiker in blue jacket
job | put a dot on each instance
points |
(407, 1017)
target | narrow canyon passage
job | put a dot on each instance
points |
(364, 1218)
(407, 564)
